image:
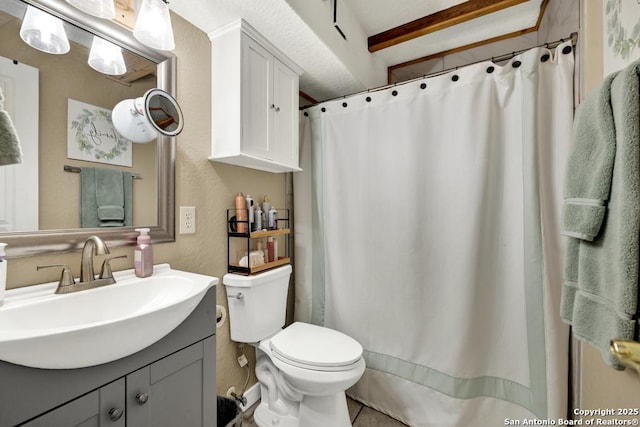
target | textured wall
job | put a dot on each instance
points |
(210, 187)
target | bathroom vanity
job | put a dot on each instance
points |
(170, 383)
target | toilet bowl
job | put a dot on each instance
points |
(303, 369)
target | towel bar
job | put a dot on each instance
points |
(627, 353)
(76, 169)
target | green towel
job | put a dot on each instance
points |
(601, 215)
(590, 166)
(10, 150)
(109, 189)
(105, 198)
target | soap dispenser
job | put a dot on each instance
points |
(143, 254)
(3, 272)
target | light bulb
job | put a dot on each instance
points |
(44, 32)
(106, 57)
(153, 25)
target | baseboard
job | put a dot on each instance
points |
(253, 396)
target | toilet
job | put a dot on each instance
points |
(304, 369)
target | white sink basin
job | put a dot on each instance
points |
(43, 330)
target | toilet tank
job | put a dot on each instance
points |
(257, 304)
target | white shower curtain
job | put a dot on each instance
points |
(427, 229)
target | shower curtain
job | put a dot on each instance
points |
(427, 229)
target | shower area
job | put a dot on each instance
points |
(427, 228)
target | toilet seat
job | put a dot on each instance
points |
(315, 347)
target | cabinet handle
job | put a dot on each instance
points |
(115, 414)
(277, 109)
(142, 398)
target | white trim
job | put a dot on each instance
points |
(581, 236)
(253, 396)
(587, 202)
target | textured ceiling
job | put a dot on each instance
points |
(325, 75)
(376, 16)
(333, 66)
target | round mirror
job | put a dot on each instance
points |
(163, 112)
(141, 119)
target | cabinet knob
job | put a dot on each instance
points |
(142, 398)
(272, 106)
(277, 109)
(115, 414)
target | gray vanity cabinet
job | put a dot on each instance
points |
(168, 393)
(100, 408)
(170, 383)
(171, 392)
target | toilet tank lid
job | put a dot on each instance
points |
(318, 346)
(256, 279)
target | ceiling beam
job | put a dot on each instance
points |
(454, 15)
(536, 27)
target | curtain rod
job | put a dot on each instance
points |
(573, 37)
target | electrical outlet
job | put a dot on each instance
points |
(187, 219)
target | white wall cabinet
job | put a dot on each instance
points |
(254, 101)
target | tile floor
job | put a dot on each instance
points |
(361, 416)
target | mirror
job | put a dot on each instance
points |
(54, 234)
(140, 120)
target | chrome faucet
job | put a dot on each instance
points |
(94, 245)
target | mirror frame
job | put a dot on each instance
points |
(31, 243)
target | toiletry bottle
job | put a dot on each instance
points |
(249, 201)
(3, 272)
(266, 206)
(266, 252)
(241, 213)
(270, 249)
(143, 254)
(275, 249)
(273, 219)
(258, 218)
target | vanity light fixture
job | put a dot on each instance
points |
(153, 25)
(106, 57)
(44, 32)
(100, 8)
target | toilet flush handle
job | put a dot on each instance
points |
(239, 295)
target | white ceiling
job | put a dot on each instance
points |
(303, 30)
(376, 16)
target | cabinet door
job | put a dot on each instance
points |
(256, 99)
(285, 126)
(178, 390)
(101, 408)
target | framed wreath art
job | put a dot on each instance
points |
(92, 137)
(621, 34)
